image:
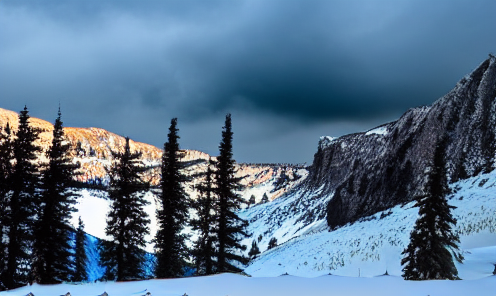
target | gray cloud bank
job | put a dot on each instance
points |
(289, 71)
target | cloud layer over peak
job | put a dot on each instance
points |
(289, 71)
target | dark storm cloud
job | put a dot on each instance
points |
(298, 67)
(317, 64)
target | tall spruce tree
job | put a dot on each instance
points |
(433, 243)
(204, 224)
(127, 222)
(6, 169)
(52, 247)
(231, 228)
(80, 257)
(23, 204)
(172, 216)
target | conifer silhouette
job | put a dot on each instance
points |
(172, 216)
(231, 228)
(23, 204)
(433, 243)
(52, 247)
(204, 251)
(80, 257)
(127, 222)
(6, 169)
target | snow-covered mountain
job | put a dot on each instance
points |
(373, 171)
(372, 245)
(362, 185)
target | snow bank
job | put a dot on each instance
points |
(378, 131)
(231, 284)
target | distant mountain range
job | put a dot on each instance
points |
(92, 149)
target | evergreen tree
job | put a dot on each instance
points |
(23, 204)
(272, 243)
(127, 222)
(254, 251)
(432, 241)
(80, 258)
(231, 228)
(252, 200)
(6, 169)
(265, 198)
(52, 247)
(204, 251)
(172, 216)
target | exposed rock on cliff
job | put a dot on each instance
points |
(372, 171)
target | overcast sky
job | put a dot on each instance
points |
(288, 71)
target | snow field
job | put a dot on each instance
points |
(372, 246)
(356, 255)
(237, 285)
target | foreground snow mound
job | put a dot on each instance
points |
(230, 284)
(373, 245)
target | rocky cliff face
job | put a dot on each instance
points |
(369, 172)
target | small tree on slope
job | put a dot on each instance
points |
(254, 251)
(252, 200)
(265, 198)
(231, 228)
(172, 216)
(432, 241)
(53, 250)
(127, 221)
(80, 257)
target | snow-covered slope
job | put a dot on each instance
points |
(367, 247)
(373, 244)
(237, 285)
(273, 180)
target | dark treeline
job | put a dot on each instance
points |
(37, 199)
